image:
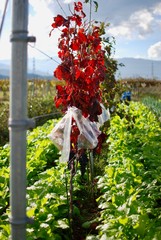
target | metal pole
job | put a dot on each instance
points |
(18, 121)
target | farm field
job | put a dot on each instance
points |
(36, 88)
(124, 202)
(141, 87)
(40, 102)
(83, 158)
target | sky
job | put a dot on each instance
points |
(135, 26)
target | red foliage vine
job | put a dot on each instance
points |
(82, 64)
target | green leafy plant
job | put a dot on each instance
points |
(154, 105)
(48, 204)
(41, 154)
(130, 187)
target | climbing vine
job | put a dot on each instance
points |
(82, 66)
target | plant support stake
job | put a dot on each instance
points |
(18, 121)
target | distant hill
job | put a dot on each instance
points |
(39, 73)
(132, 68)
(4, 70)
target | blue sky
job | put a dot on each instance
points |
(136, 26)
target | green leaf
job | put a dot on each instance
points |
(63, 223)
(86, 224)
(76, 211)
(90, 237)
(123, 221)
(96, 6)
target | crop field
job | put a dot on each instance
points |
(40, 102)
(80, 156)
(124, 202)
(36, 88)
(141, 87)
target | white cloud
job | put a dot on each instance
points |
(157, 14)
(41, 18)
(2, 8)
(122, 30)
(40, 26)
(2, 4)
(154, 51)
(157, 9)
(68, 1)
(138, 25)
(5, 46)
(142, 22)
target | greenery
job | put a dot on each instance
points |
(47, 191)
(41, 155)
(122, 200)
(4, 115)
(37, 106)
(141, 87)
(154, 105)
(124, 203)
(131, 186)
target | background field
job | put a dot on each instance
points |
(40, 102)
(41, 99)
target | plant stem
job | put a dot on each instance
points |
(71, 197)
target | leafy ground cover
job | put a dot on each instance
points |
(154, 105)
(123, 203)
(131, 186)
(41, 154)
(47, 191)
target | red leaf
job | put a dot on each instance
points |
(58, 102)
(61, 54)
(89, 71)
(59, 20)
(58, 72)
(59, 88)
(82, 36)
(78, 6)
(75, 45)
(76, 18)
(77, 73)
